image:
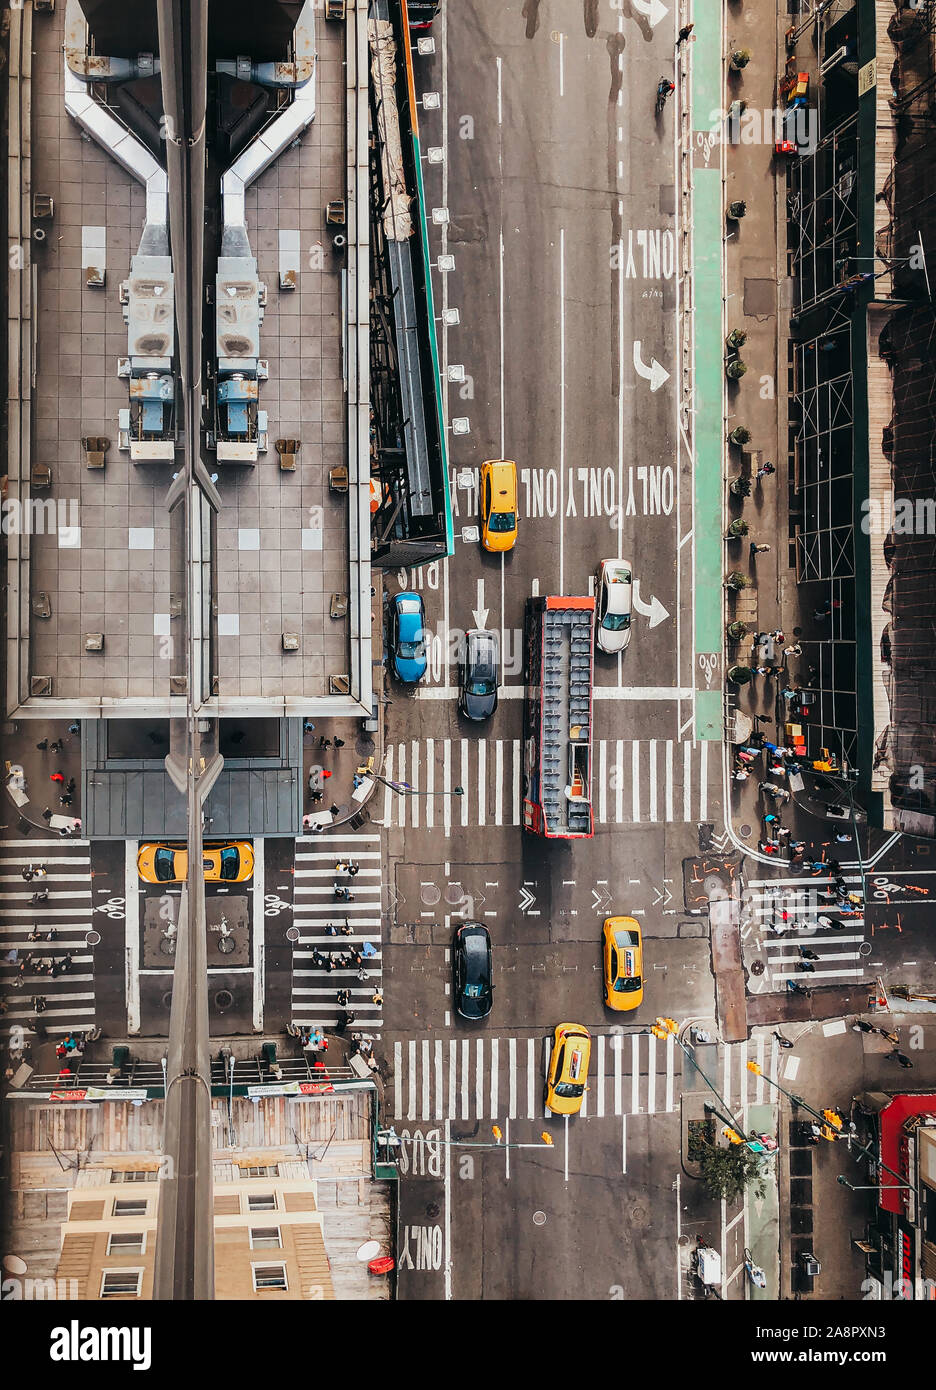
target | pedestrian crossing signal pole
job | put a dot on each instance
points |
(669, 1028)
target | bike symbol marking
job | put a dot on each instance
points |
(113, 908)
(273, 905)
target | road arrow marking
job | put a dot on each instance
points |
(655, 10)
(663, 895)
(655, 374)
(526, 900)
(480, 614)
(653, 610)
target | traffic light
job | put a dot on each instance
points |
(546, 1137)
(753, 1067)
(833, 1117)
(828, 1132)
(497, 1132)
(733, 1136)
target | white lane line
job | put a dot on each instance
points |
(600, 1097)
(426, 1078)
(561, 64)
(726, 1077)
(623, 1143)
(653, 779)
(562, 389)
(479, 1078)
(512, 1078)
(453, 1075)
(500, 119)
(618, 1072)
(635, 779)
(687, 783)
(619, 780)
(498, 781)
(761, 1062)
(402, 798)
(414, 782)
(566, 1162)
(494, 1077)
(411, 1105)
(482, 781)
(635, 1073)
(516, 781)
(465, 1066)
(531, 1085)
(131, 937)
(703, 780)
(651, 1077)
(670, 1074)
(503, 432)
(430, 783)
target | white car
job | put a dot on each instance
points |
(613, 590)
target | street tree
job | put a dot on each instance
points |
(728, 1172)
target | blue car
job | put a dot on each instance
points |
(407, 638)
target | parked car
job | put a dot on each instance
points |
(471, 970)
(229, 863)
(498, 504)
(614, 583)
(568, 1068)
(478, 674)
(623, 963)
(406, 638)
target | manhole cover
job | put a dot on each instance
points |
(454, 893)
(757, 967)
(93, 938)
(223, 1000)
(292, 934)
(639, 1217)
(430, 894)
(539, 1218)
(865, 948)
(745, 831)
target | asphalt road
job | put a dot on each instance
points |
(559, 190)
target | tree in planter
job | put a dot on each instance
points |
(735, 369)
(739, 435)
(740, 487)
(727, 1173)
(736, 580)
(737, 630)
(737, 529)
(740, 675)
(736, 338)
(740, 59)
(737, 209)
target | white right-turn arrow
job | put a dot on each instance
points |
(480, 614)
(653, 610)
(655, 10)
(655, 374)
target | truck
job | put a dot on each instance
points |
(559, 634)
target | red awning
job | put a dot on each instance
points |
(892, 1119)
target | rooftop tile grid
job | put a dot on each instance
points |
(109, 582)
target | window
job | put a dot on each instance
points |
(269, 1276)
(261, 1201)
(121, 1283)
(130, 1206)
(265, 1238)
(133, 1175)
(126, 1243)
(256, 1172)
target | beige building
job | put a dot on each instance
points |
(294, 1198)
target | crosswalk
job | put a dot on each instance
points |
(629, 1074)
(69, 997)
(315, 989)
(634, 781)
(792, 907)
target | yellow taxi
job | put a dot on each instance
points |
(568, 1068)
(230, 863)
(498, 504)
(623, 963)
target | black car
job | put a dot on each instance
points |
(478, 674)
(471, 971)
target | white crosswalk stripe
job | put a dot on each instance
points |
(314, 988)
(783, 915)
(494, 1077)
(68, 911)
(650, 781)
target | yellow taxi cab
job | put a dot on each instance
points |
(498, 504)
(568, 1068)
(230, 863)
(623, 963)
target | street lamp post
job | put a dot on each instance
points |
(391, 1139)
(405, 789)
(668, 1028)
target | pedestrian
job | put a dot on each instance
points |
(684, 33)
(798, 845)
(824, 920)
(57, 746)
(765, 470)
(47, 814)
(356, 958)
(65, 800)
(844, 839)
(368, 949)
(324, 742)
(55, 969)
(806, 966)
(794, 650)
(744, 757)
(346, 928)
(771, 819)
(56, 777)
(741, 774)
(362, 974)
(39, 1003)
(778, 636)
(70, 784)
(784, 1042)
(756, 549)
(901, 1057)
(767, 847)
(377, 998)
(338, 742)
(807, 954)
(758, 738)
(353, 869)
(28, 873)
(342, 894)
(52, 934)
(860, 1026)
(308, 727)
(331, 929)
(74, 728)
(34, 934)
(330, 964)
(783, 832)
(42, 745)
(325, 774)
(344, 997)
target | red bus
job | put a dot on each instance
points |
(559, 638)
